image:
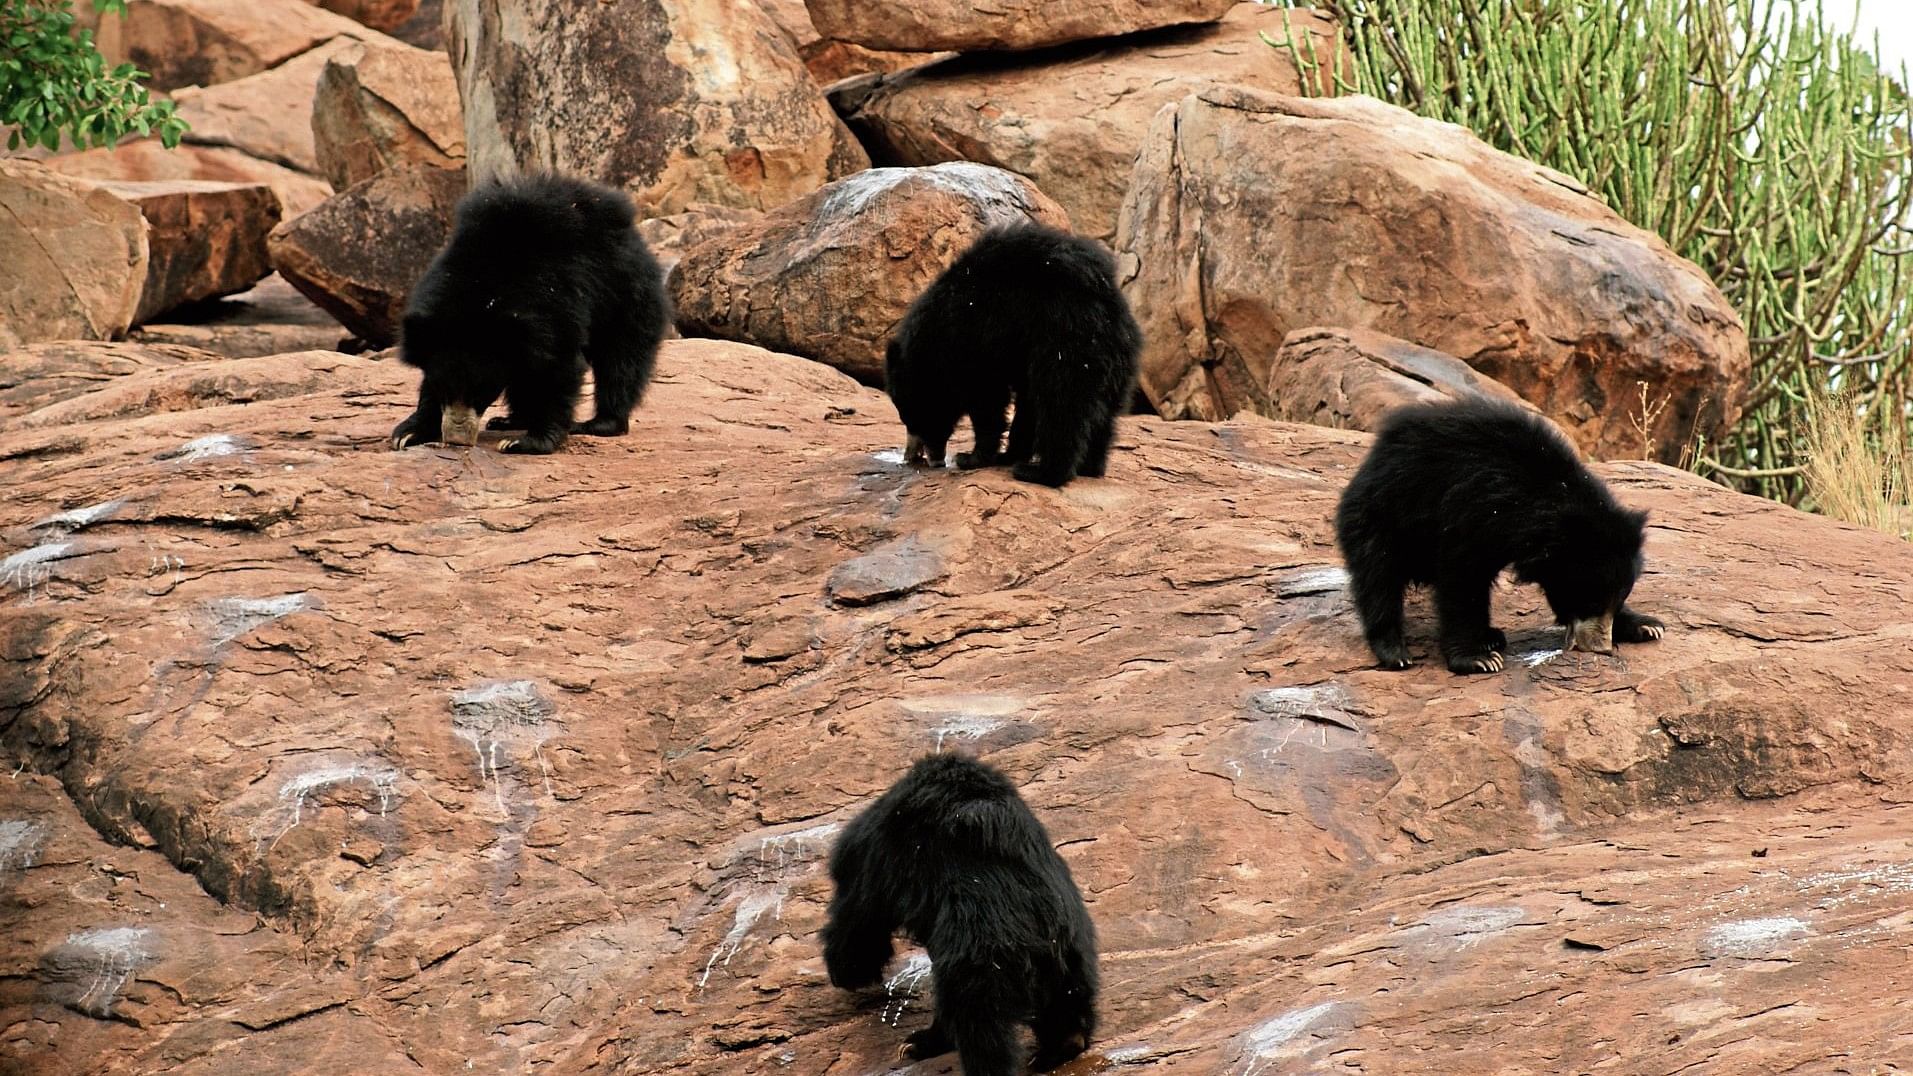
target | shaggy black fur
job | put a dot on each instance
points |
(1451, 494)
(953, 856)
(1028, 312)
(538, 271)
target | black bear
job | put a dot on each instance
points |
(1028, 312)
(953, 856)
(1452, 493)
(539, 271)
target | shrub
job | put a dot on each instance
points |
(53, 82)
(1767, 147)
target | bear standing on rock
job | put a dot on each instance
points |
(953, 856)
(1028, 312)
(1451, 494)
(539, 272)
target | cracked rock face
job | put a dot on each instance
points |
(1252, 215)
(932, 25)
(333, 758)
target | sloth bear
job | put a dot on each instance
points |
(1028, 312)
(1452, 493)
(952, 855)
(539, 271)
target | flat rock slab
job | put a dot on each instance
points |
(962, 25)
(205, 42)
(147, 161)
(267, 116)
(271, 318)
(1252, 215)
(533, 762)
(1351, 378)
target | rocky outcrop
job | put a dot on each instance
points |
(669, 237)
(829, 60)
(1252, 215)
(203, 42)
(1073, 120)
(678, 103)
(1350, 378)
(962, 25)
(204, 239)
(505, 764)
(146, 161)
(383, 106)
(271, 318)
(75, 257)
(37, 376)
(378, 14)
(786, 280)
(358, 255)
(267, 116)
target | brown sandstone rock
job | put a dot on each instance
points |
(385, 15)
(267, 115)
(359, 254)
(269, 319)
(676, 102)
(426, 28)
(1072, 120)
(381, 106)
(509, 764)
(963, 25)
(146, 161)
(37, 376)
(829, 276)
(1350, 378)
(1252, 215)
(205, 239)
(827, 60)
(203, 42)
(75, 257)
(670, 236)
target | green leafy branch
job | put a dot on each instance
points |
(54, 82)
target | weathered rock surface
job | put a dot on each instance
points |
(382, 106)
(268, 115)
(785, 281)
(269, 319)
(529, 763)
(1349, 378)
(146, 161)
(204, 239)
(203, 42)
(36, 376)
(378, 14)
(74, 257)
(358, 255)
(1253, 215)
(670, 236)
(827, 60)
(676, 102)
(963, 25)
(426, 28)
(1073, 119)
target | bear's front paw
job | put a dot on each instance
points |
(1390, 653)
(971, 461)
(602, 426)
(1478, 661)
(504, 422)
(537, 444)
(413, 431)
(1633, 627)
(930, 1042)
(1497, 640)
(1030, 472)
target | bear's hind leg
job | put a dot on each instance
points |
(1061, 437)
(987, 422)
(1633, 627)
(1469, 642)
(622, 350)
(1022, 436)
(1096, 457)
(1063, 1029)
(1377, 588)
(545, 407)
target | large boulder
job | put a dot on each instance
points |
(378, 14)
(332, 758)
(670, 236)
(146, 161)
(678, 103)
(1252, 215)
(358, 255)
(829, 60)
(205, 239)
(1350, 378)
(828, 276)
(268, 115)
(74, 255)
(1073, 120)
(385, 105)
(964, 25)
(202, 42)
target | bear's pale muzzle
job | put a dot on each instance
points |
(1595, 636)
(458, 425)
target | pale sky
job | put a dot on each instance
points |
(1892, 19)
